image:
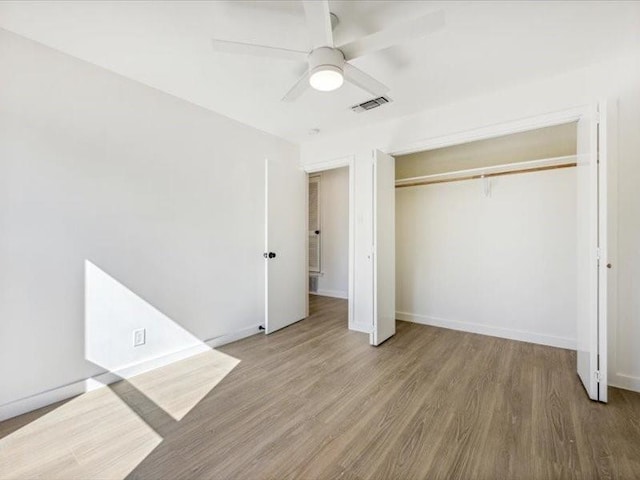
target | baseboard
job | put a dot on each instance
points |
(234, 336)
(39, 400)
(64, 392)
(626, 382)
(331, 293)
(512, 334)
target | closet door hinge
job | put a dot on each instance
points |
(597, 376)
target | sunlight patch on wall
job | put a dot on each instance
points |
(173, 368)
(113, 313)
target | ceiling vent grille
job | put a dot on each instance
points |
(370, 104)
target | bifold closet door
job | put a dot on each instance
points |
(591, 255)
(285, 244)
(384, 248)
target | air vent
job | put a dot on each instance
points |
(370, 104)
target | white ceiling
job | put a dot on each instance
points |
(485, 46)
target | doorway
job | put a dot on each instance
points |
(330, 236)
(328, 241)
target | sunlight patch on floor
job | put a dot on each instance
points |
(95, 435)
(98, 434)
(178, 387)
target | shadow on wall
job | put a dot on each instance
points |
(126, 411)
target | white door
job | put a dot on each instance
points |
(384, 248)
(285, 244)
(591, 306)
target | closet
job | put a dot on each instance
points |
(486, 236)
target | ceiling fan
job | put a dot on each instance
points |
(328, 65)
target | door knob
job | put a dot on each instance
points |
(269, 255)
(317, 232)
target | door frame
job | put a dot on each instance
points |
(496, 130)
(348, 161)
(607, 197)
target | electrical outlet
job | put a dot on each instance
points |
(139, 337)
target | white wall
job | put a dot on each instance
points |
(334, 247)
(617, 79)
(165, 197)
(112, 312)
(503, 264)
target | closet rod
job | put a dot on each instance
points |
(486, 175)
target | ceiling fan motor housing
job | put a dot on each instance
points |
(325, 58)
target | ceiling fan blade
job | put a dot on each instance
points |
(298, 89)
(401, 33)
(364, 81)
(258, 50)
(318, 22)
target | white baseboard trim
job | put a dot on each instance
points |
(626, 382)
(331, 293)
(512, 334)
(39, 400)
(234, 336)
(64, 392)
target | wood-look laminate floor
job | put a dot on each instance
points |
(316, 401)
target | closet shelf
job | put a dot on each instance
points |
(492, 171)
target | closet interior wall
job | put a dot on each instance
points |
(493, 255)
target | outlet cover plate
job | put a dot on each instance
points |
(139, 337)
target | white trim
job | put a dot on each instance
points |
(374, 249)
(329, 165)
(491, 131)
(28, 404)
(331, 293)
(348, 161)
(609, 123)
(626, 382)
(602, 243)
(352, 242)
(216, 342)
(64, 392)
(512, 334)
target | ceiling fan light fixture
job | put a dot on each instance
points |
(326, 78)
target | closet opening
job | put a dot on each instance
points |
(487, 236)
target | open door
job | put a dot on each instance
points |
(285, 244)
(590, 250)
(384, 248)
